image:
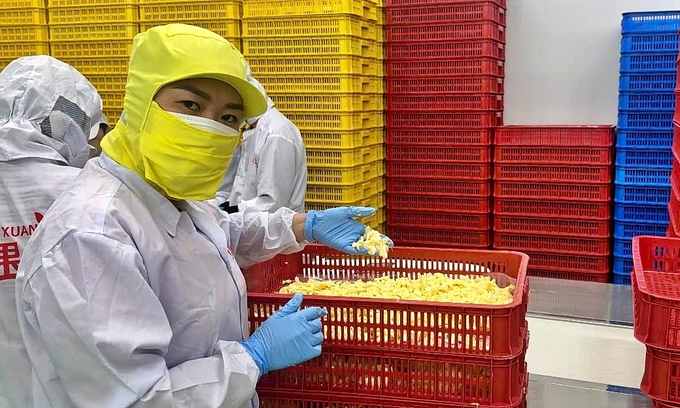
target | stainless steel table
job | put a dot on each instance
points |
(591, 303)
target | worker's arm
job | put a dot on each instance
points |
(91, 310)
(277, 168)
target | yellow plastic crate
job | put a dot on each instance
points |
(323, 25)
(382, 183)
(27, 16)
(335, 120)
(343, 158)
(342, 195)
(381, 33)
(93, 32)
(103, 66)
(91, 49)
(274, 8)
(127, 13)
(190, 10)
(14, 34)
(321, 84)
(112, 100)
(328, 102)
(380, 15)
(343, 176)
(312, 45)
(230, 29)
(113, 115)
(108, 83)
(314, 65)
(85, 3)
(13, 4)
(334, 139)
(365, 202)
(17, 50)
(380, 218)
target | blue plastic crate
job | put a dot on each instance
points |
(654, 21)
(652, 42)
(642, 138)
(623, 266)
(647, 101)
(643, 176)
(627, 230)
(621, 280)
(655, 214)
(646, 120)
(647, 82)
(623, 248)
(633, 194)
(653, 62)
(662, 158)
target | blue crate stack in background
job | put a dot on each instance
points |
(649, 50)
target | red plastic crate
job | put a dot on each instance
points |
(671, 233)
(581, 264)
(454, 119)
(585, 210)
(591, 136)
(552, 191)
(673, 212)
(661, 404)
(574, 276)
(552, 226)
(449, 136)
(459, 205)
(431, 86)
(449, 50)
(445, 67)
(439, 238)
(455, 188)
(656, 292)
(439, 220)
(553, 155)
(439, 102)
(441, 153)
(446, 13)
(399, 325)
(551, 244)
(402, 374)
(481, 30)
(661, 379)
(553, 173)
(446, 171)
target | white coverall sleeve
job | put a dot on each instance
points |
(276, 172)
(259, 236)
(91, 310)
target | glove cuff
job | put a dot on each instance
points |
(256, 353)
(309, 226)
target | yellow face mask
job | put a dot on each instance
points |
(184, 161)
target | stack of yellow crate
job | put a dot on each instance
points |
(222, 17)
(95, 37)
(23, 30)
(321, 63)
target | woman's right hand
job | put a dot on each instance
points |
(289, 337)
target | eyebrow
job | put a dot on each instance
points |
(194, 90)
(234, 106)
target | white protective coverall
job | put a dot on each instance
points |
(34, 169)
(269, 169)
(127, 299)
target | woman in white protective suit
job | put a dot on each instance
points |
(130, 293)
(48, 111)
(269, 169)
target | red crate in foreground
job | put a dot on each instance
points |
(592, 136)
(398, 325)
(656, 292)
(660, 380)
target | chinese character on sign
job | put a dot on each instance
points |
(9, 260)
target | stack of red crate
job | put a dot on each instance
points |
(445, 69)
(552, 192)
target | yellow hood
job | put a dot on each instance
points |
(167, 54)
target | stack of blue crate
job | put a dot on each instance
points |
(649, 50)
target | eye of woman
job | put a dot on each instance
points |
(229, 119)
(191, 105)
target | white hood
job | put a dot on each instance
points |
(48, 110)
(270, 103)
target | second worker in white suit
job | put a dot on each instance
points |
(269, 169)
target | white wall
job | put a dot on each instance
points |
(562, 59)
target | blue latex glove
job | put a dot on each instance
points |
(289, 337)
(337, 228)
